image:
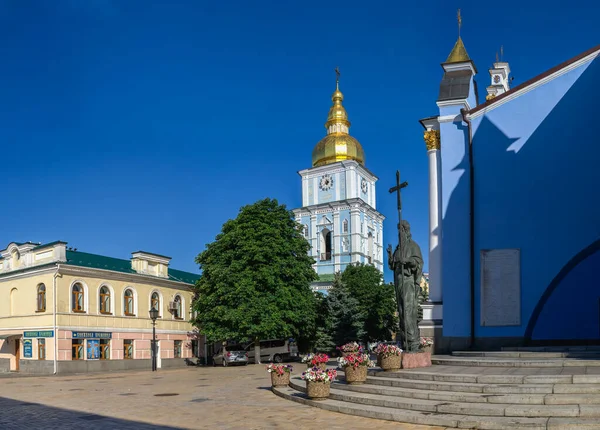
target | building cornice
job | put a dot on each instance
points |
(28, 272)
(120, 276)
(338, 205)
(340, 166)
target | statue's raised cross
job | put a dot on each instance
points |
(398, 189)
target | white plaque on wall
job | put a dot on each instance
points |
(500, 287)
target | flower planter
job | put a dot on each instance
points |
(317, 390)
(282, 380)
(322, 366)
(355, 375)
(391, 362)
(428, 348)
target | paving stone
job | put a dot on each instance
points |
(571, 399)
(576, 388)
(586, 379)
(542, 410)
(590, 411)
(238, 398)
(573, 424)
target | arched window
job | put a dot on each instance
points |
(177, 308)
(105, 300)
(345, 226)
(325, 244)
(41, 298)
(128, 303)
(78, 297)
(305, 229)
(155, 302)
(13, 301)
(370, 256)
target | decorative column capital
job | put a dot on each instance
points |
(432, 139)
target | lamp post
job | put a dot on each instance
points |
(153, 316)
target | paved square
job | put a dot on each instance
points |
(190, 398)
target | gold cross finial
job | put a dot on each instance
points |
(501, 52)
(337, 77)
(497, 57)
(459, 18)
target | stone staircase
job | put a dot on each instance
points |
(509, 389)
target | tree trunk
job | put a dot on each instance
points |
(257, 351)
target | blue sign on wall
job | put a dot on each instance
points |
(45, 333)
(93, 349)
(27, 348)
(91, 335)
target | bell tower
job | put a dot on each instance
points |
(338, 212)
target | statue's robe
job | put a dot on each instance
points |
(408, 292)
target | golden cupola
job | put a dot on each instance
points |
(338, 145)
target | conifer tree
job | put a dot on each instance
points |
(347, 318)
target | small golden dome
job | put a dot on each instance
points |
(337, 113)
(338, 145)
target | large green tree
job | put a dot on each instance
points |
(256, 277)
(376, 300)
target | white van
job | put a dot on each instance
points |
(275, 350)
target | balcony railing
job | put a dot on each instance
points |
(325, 256)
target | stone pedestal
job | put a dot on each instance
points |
(414, 360)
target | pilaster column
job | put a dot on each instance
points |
(335, 246)
(432, 142)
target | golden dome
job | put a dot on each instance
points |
(338, 145)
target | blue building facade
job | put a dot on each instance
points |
(516, 182)
(338, 212)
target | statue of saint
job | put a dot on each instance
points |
(407, 265)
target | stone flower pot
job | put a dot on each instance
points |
(322, 366)
(392, 362)
(282, 380)
(355, 375)
(317, 390)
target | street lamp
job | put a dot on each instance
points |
(153, 315)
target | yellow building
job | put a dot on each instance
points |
(65, 311)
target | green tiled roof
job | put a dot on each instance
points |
(84, 259)
(44, 245)
(326, 278)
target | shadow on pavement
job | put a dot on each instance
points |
(26, 415)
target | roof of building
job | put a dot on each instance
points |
(458, 53)
(84, 259)
(535, 79)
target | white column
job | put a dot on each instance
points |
(435, 225)
(313, 237)
(355, 233)
(335, 237)
(305, 201)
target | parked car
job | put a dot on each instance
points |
(275, 350)
(230, 354)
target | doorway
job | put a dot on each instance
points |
(17, 354)
(158, 361)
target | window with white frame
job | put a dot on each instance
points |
(129, 302)
(78, 298)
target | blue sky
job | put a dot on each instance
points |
(130, 125)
